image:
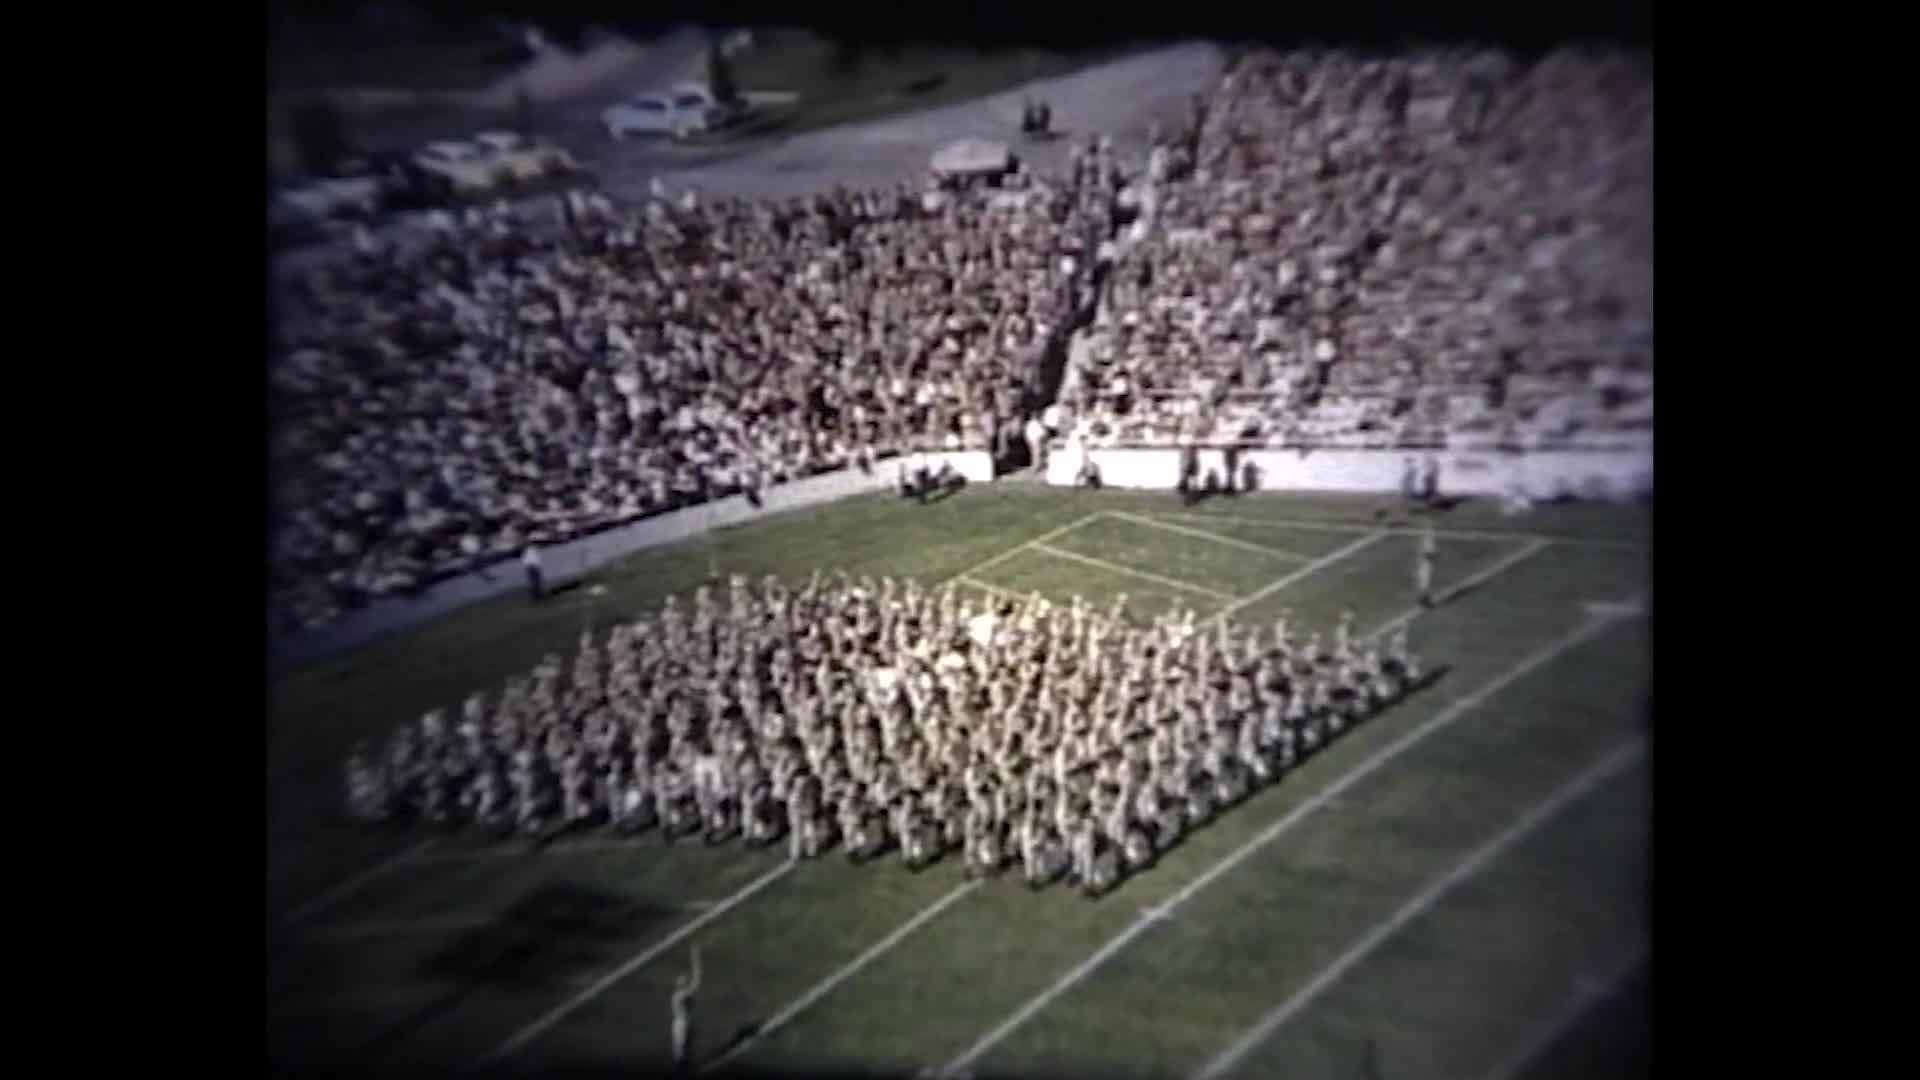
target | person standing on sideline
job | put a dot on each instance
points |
(1423, 567)
(684, 987)
(1430, 482)
(536, 579)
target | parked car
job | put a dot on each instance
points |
(452, 169)
(679, 112)
(518, 159)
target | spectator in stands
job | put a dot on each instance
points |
(441, 403)
(536, 577)
(1367, 245)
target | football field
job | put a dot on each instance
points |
(1457, 888)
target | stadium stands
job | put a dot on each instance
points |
(1336, 250)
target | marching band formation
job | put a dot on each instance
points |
(888, 718)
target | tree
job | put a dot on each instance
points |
(319, 135)
(523, 111)
(720, 76)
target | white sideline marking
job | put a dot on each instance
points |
(355, 883)
(1582, 785)
(825, 986)
(1440, 531)
(1116, 568)
(1202, 534)
(599, 986)
(1584, 998)
(1313, 567)
(1266, 836)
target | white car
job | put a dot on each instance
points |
(456, 168)
(678, 112)
(520, 159)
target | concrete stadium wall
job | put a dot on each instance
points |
(1540, 474)
(586, 554)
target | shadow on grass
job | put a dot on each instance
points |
(538, 945)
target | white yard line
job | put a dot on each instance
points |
(1308, 570)
(353, 884)
(825, 986)
(1578, 1005)
(1440, 531)
(1045, 537)
(1482, 857)
(520, 1038)
(1500, 566)
(1364, 769)
(1216, 538)
(1116, 568)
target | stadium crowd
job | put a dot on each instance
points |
(442, 404)
(1334, 249)
(1391, 251)
(1073, 743)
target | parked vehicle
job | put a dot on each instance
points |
(685, 110)
(518, 159)
(455, 169)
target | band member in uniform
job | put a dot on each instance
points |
(684, 988)
(1423, 567)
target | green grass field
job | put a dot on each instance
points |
(1307, 915)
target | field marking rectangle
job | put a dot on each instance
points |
(531, 1031)
(1578, 1005)
(1367, 767)
(1116, 568)
(356, 882)
(1440, 531)
(1202, 534)
(1028, 545)
(825, 986)
(1304, 572)
(1579, 787)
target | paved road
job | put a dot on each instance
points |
(1119, 99)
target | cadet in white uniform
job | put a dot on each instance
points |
(684, 988)
(1423, 568)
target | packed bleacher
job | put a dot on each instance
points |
(441, 403)
(1355, 251)
(1333, 250)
